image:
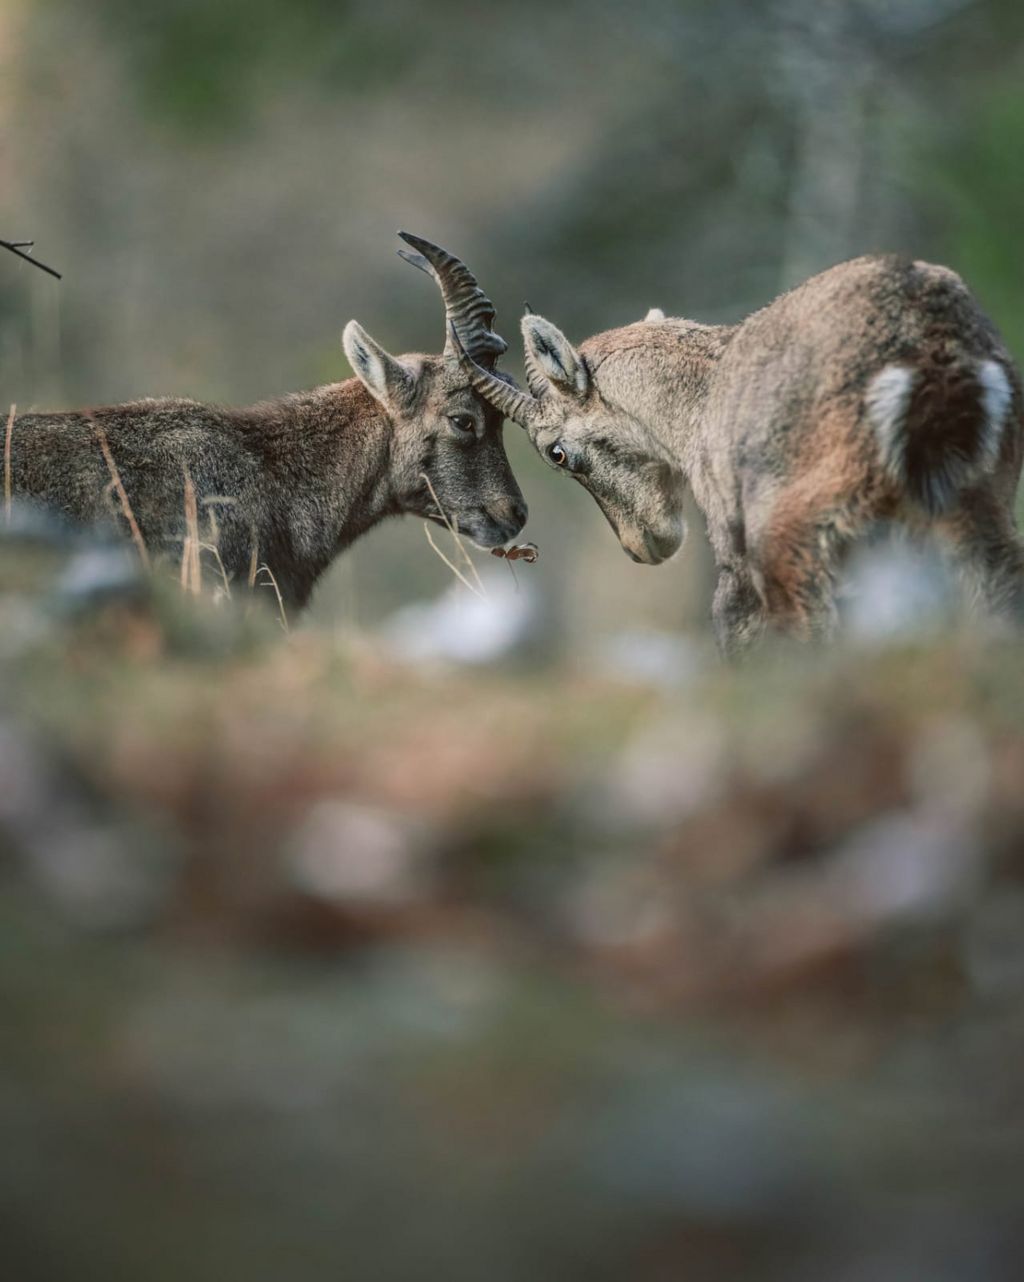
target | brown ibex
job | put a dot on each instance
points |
(294, 481)
(877, 391)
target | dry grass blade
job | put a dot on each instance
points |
(214, 551)
(7, 464)
(254, 558)
(213, 547)
(451, 564)
(191, 566)
(116, 482)
(265, 569)
(456, 537)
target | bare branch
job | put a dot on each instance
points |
(19, 246)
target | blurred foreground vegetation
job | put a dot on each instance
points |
(317, 965)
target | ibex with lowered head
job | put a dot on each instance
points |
(294, 481)
(877, 391)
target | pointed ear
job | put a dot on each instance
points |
(386, 379)
(551, 354)
(655, 314)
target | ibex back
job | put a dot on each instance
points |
(875, 391)
(290, 483)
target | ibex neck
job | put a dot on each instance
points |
(325, 459)
(660, 372)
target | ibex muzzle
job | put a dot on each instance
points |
(877, 391)
(290, 483)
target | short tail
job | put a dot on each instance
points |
(940, 432)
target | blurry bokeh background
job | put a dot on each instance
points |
(600, 962)
(221, 184)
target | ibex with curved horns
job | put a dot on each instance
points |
(294, 481)
(875, 391)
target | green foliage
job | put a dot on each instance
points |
(976, 185)
(202, 65)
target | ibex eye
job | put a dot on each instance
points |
(557, 455)
(463, 422)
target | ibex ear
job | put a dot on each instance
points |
(549, 353)
(386, 379)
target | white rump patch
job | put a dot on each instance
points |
(945, 470)
(996, 395)
(886, 400)
(655, 314)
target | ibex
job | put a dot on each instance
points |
(294, 481)
(876, 391)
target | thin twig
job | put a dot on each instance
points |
(451, 564)
(7, 464)
(455, 535)
(115, 478)
(265, 569)
(19, 246)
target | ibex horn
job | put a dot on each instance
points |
(519, 406)
(467, 307)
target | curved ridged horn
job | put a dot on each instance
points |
(467, 307)
(519, 406)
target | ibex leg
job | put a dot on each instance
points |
(988, 554)
(798, 559)
(738, 612)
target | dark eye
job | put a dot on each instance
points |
(462, 422)
(558, 455)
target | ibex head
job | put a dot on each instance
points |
(442, 429)
(577, 423)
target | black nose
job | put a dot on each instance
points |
(511, 515)
(660, 547)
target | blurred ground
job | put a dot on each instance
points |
(320, 964)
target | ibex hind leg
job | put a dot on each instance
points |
(799, 560)
(988, 555)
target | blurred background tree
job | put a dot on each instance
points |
(221, 184)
